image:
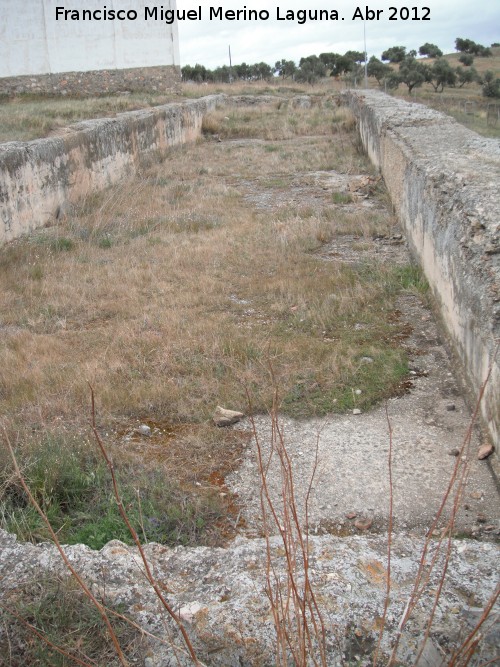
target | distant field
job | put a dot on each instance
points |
(467, 105)
(475, 112)
(481, 64)
(27, 117)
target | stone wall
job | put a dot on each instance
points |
(90, 84)
(220, 596)
(443, 180)
(39, 178)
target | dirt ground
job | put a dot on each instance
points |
(419, 438)
(429, 422)
(429, 426)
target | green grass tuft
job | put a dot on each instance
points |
(341, 198)
(73, 488)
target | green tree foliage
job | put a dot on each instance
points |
(378, 70)
(491, 85)
(466, 59)
(355, 56)
(484, 51)
(396, 54)
(412, 73)
(463, 45)
(343, 65)
(467, 75)
(469, 46)
(328, 59)
(337, 64)
(222, 74)
(198, 73)
(442, 74)
(243, 72)
(285, 68)
(311, 69)
(430, 50)
(262, 71)
(257, 72)
(393, 80)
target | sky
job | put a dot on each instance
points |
(207, 41)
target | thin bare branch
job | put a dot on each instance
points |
(67, 562)
(494, 661)
(135, 537)
(424, 570)
(389, 539)
(300, 630)
(45, 639)
(472, 636)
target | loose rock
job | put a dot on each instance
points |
(223, 417)
(366, 360)
(485, 451)
(189, 612)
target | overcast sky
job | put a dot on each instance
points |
(207, 41)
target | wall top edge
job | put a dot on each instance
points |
(125, 116)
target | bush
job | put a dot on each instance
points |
(491, 85)
(62, 244)
(72, 486)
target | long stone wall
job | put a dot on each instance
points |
(444, 183)
(39, 178)
(89, 84)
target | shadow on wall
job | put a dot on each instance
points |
(39, 178)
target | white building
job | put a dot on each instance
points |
(37, 39)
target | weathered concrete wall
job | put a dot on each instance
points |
(38, 177)
(43, 52)
(444, 183)
(35, 39)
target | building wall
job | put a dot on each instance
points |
(33, 43)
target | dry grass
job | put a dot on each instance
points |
(261, 123)
(171, 292)
(27, 117)
(167, 294)
(467, 104)
(61, 613)
(276, 87)
(481, 64)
